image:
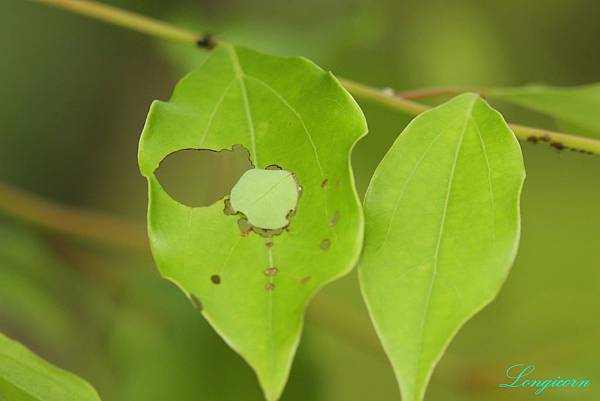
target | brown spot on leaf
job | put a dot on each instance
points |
(228, 210)
(325, 244)
(335, 218)
(269, 244)
(269, 286)
(305, 280)
(271, 271)
(244, 227)
(196, 303)
(324, 183)
(267, 233)
(215, 278)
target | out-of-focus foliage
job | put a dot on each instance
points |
(579, 106)
(25, 376)
(74, 97)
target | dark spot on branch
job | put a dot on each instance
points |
(271, 271)
(269, 286)
(555, 144)
(215, 278)
(325, 244)
(206, 42)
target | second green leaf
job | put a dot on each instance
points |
(442, 230)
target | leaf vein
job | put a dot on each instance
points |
(489, 175)
(214, 112)
(441, 234)
(239, 73)
(298, 116)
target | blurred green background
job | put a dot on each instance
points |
(73, 99)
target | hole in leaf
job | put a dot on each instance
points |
(199, 178)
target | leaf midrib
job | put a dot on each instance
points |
(439, 240)
(240, 76)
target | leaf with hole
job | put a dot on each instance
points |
(253, 260)
(442, 230)
(579, 105)
(25, 376)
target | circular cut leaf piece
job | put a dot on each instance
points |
(265, 197)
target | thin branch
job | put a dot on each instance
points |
(74, 222)
(557, 140)
(385, 97)
(425, 93)
(125, 19)
(397, 101)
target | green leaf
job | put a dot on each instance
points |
(25, 376)
(253, 283)
(442, 229)
(579, 105)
